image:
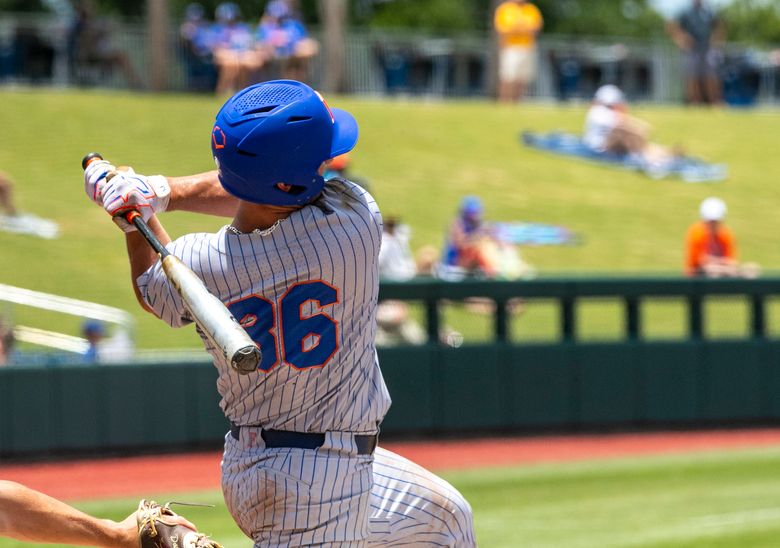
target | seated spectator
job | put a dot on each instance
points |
(233, 47)
(106, 349)
(89, 44)
(396, 263)
(94, 332)
(609, 128)
(6, 196)
(6, 342)
(284, 36)
(474, 248)
(33, 54)
(465, 241)
(711, 250)
(195, 35)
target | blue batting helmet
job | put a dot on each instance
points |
(278, 132)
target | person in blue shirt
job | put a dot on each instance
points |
(464, 249)
(195, 34)
(284, 37)
(233, 47)
(94, 332)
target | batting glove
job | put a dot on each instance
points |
(95, 179)
(126, 192)
(97, 175)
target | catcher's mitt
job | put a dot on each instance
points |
(156, 529)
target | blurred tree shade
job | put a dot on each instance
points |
(754, 21)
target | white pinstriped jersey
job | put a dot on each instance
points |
(306, 292)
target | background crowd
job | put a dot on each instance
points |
(277, 45)
(232, 48)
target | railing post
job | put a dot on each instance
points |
(432, 319)
(568, 328)
(501, 319)
(758, 323)
(632, 318)
(695, 317)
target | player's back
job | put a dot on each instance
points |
(306, 291)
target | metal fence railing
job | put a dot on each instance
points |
(583, 310)
(34, 49)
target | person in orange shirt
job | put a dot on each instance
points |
(711, 249)
(517, 23)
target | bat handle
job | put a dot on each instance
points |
(89, 158)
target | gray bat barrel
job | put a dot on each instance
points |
(214, 319)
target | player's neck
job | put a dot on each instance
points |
(251, 217)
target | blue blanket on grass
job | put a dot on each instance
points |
(536, 234)
(690, 170)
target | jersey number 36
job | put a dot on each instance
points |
(305, 340)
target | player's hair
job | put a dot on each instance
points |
(278, 132)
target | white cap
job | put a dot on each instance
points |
(713, 209)
(609, 95)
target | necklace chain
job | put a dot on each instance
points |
(261, 231)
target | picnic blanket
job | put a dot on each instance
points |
(687, 168)
(27, 223)
(521, 233)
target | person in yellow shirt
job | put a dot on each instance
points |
(517, 23)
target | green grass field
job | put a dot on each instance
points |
(420, 158)
(727, 499)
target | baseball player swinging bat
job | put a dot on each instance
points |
(209, 313)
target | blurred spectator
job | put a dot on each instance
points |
(6, 342)
(699, 33)
(396, 263)
(711, 250)
(284, 36)
(93, 331)
(474, 248)
(33, 54)
(517, 23)
(233, 46)
(340, 167)
(467, 233)
(89, 45)
(6, 195)
(195, 35)
(102, 348)
(609, 128)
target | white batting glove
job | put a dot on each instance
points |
(95, 179)
(98, 173)
(127, 192)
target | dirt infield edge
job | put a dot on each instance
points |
(136, 476)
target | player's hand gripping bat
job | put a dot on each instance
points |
(209, 313)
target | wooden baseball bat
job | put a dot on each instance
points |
(209, 313)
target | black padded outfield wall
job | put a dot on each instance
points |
(713, 359)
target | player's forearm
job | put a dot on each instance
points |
(34, 517)
(141, 254)
(201, 193)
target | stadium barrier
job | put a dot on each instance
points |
(669, 352)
